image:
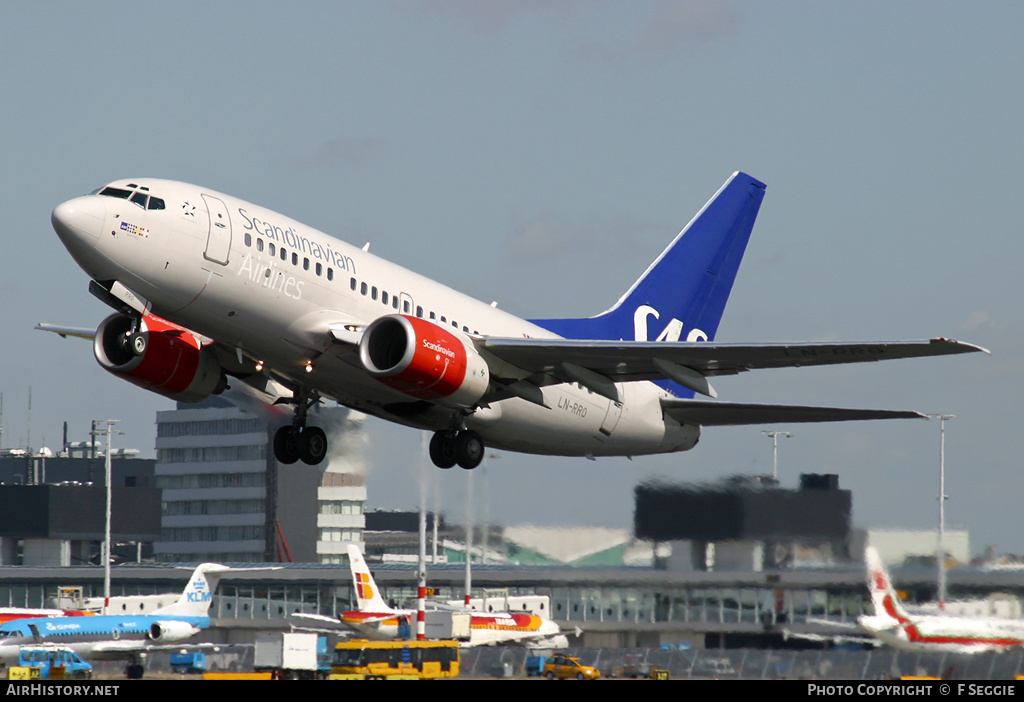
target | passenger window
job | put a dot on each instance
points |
(259, 244)
(319, 269)
(272, 249)
(433, 316)
(305, 264)
(295, 259)
(351, 282)
(373, 293)
(406, 306)
(394, 302)
(419, 311)
(248, 239)
(284, 254)
(384, 297)
(443, 320)
(362, 288)
(330, 273)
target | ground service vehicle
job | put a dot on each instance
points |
(292, 656)
(566, 667)
(54, 663)
(376, 659)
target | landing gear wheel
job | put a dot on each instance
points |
(286, 445)
(468, 448)
(134, 671)
(135, 344)
(312, 445)
(442, 450)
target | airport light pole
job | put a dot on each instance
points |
(775, 450)
(940, 549)
(107, 470)
(421, 574)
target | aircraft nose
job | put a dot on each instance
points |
(79, 220)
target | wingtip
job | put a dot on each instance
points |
(963, 346)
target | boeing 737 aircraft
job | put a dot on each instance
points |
(893, 625)
(376, 619)
(117, 637)
(213, 293)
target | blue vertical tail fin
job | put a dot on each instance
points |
(682, 295)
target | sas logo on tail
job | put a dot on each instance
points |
(672, 331)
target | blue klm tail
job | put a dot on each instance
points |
(682, 295)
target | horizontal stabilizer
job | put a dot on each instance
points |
(711, 414)
(65, 332)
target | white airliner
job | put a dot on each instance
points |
(121, 637)
(378, 620)
(212, 293)
(892, 624)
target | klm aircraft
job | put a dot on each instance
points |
(120, 637)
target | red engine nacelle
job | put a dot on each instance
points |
(424, 360)
(160, 356)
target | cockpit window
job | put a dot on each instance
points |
(116, 192)
(140, 196)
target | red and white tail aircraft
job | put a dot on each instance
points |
(892, 624)
(212, 293)
(378, 620)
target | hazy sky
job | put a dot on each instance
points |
(542, 153)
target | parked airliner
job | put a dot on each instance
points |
(378, 620)
(213, 293)
(892, 624)
(121, 637)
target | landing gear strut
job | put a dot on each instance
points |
(464, 448)
(298, 441)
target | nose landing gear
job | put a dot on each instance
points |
(465, 448)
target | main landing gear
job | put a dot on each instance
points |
(464, 447)
(292, 443)
(298, 441)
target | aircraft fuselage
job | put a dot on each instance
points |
(268, 286)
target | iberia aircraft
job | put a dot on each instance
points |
(376, 619)
(893, 625)
(213, 293)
